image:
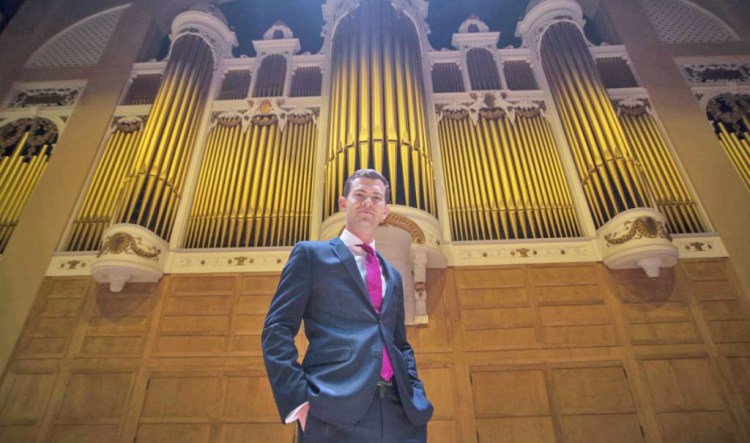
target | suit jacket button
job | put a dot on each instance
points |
(378, 354)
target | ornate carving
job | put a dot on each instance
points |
(731, 110)
(641, 227)
(52, 97)
(489, 105)
(129, 124)
(465, 27)
(632, 106)
(717, 72)
(41, 132)
(278, 28)
(401, 222)
(124, 243)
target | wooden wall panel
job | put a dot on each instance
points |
(541, 353)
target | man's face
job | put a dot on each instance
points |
(365, 206)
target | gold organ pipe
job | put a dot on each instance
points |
(479, 195)
(471, 180)
(499, 208)
(463, 207)
(447, 148)
(532, 179)
(489, 173)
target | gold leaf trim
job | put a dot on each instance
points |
(641, 227)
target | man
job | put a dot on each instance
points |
(358, 381)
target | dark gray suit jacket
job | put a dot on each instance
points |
(321, 285)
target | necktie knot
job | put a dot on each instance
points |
(367, 248)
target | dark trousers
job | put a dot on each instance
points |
(384, 422)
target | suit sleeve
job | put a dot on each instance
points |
(282, 323)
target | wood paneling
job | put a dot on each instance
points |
(555, 353)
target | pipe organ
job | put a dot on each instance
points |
(534, 143)
(25, 148)
(377, 109)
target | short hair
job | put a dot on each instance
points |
(367, 173)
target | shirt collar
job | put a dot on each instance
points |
(350, 239)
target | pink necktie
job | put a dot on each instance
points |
(375, 288)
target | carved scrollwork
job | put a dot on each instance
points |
(124, 243)
(641, 227)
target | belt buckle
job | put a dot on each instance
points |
(384, 386)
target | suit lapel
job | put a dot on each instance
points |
(347, 259)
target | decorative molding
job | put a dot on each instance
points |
(641, 227)
(716, 73)
(23, 97)
(266, 112)
(491, 254)
(489, 105)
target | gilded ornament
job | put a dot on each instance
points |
(123, 242)
(641, 227)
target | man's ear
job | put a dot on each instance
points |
(387, 211)
(342, 203)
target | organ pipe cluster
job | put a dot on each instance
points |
(377, 107)
(612, 180)
(153, 187)
(25, 147)
(503, 176)
(98, 206)
(255, 183)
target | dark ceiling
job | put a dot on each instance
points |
(251, 18)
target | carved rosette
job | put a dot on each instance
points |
(129, 253)
(637, 238)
